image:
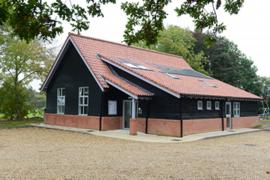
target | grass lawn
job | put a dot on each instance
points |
(22, 123)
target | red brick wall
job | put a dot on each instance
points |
(165, 127)
(245, 122)
(193, 126)
(110, 123)
(168, 127)
(86, 122)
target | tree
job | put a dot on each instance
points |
(21, 62)
(265, 84)
(229, 64)
(36, 18)
(14, 102)
(178, 41)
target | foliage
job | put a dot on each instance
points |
(13, 100)
(149, 17)
(32, 18)
(229, 64)
(265, 84)
(145, 20)
(21, 62)
(203, 18)
(178, 41)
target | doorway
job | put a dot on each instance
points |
(127, 113)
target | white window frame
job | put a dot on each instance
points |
(83, 104)
(200, 105)
(217, 105)
(112, 102)
(60, 101)
(236, 109)
(209, 105)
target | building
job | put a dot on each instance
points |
(103, 85)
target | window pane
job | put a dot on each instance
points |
(81, 101)
(85, 109)
(86, 91)
(85, 100)
(209, 105)
(81, 110)
(199, 105)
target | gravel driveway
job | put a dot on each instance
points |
(32, 153)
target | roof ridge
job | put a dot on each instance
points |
(134, 47)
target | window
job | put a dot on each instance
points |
(130, 65)
(199, 105)
(236, 109)
(209, 105)
(172, 76)
(217, 105)
(112, 107)
(136, 66)
(83, 100)
(60, 100)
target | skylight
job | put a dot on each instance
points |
(136, 66)
(172, 76)
(208, 83)
(142, 67)
(180, 71)
(130, 65)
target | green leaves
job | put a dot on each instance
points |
(32, 19)
(145, 20)
(203, 13)
(20, 63)
(37, 19)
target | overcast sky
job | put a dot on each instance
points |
(250, 29)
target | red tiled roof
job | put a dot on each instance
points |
(114, 53)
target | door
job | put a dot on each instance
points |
(127, 112)
(228, 114)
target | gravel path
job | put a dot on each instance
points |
(32, 153)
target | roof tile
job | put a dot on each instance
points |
(185, 85)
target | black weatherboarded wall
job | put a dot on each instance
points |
(71, 74)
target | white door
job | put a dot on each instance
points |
(228, 114)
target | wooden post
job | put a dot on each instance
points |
(101, 111)
(180, 117)
(222, 114)
(147, 116)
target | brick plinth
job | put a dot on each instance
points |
(165, 127)
(168, 127)
(85, 122)
(133, 127)
(245, 122)
(193, 126)
(110, 123)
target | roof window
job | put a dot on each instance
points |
(172, 76)
(136, 66)
(130, 65)
(208, 83)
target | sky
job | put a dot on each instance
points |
(249, 29)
